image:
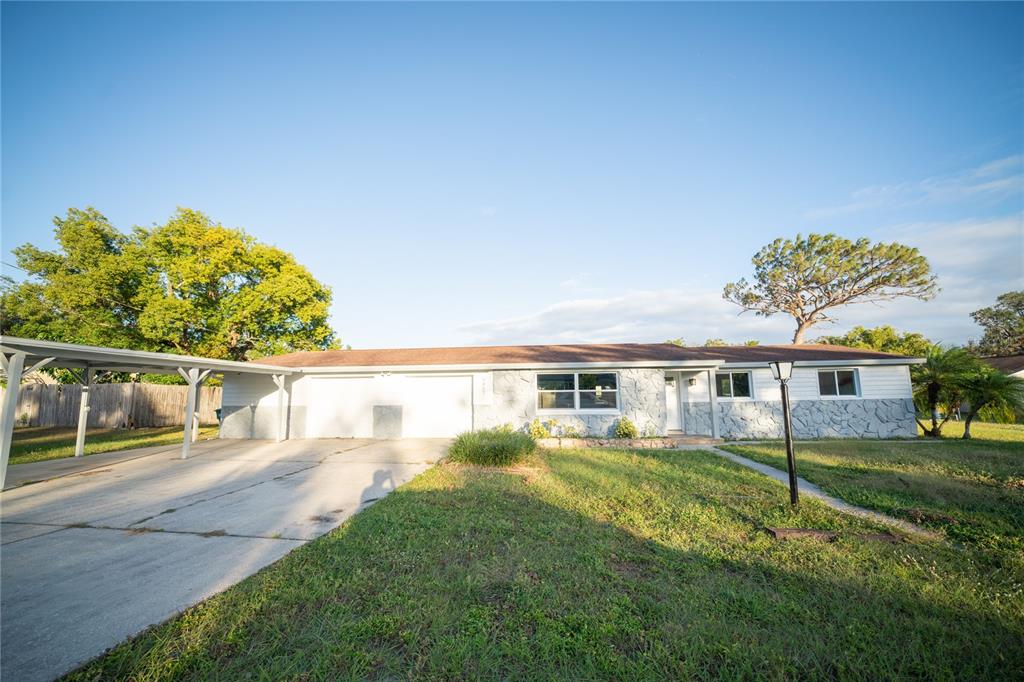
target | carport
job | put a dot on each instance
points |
(22, 356)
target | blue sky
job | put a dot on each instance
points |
(493, 173)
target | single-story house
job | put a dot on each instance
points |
(725, 392)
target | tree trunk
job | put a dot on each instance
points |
(967, 424)
(801, 330)
(933, 405)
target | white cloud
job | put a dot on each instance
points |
(994, 180)
(992, 248)
(975, 261)
(633, 316)
(580, 283)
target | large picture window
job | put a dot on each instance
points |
(837, 382)
(578, 391)
(733, 384)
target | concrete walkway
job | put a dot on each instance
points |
(809, 489)
(92, 555)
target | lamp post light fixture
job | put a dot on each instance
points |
(782, 371)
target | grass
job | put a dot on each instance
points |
(587, 564)
(494, 447)
(982, 431)
(37, 444)
(973, 491)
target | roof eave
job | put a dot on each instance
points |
(486, 367)
(831, 363)
(639, 364)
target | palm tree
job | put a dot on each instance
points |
(992, 387)
(939, 381)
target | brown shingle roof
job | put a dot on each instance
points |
(1007, 364)
(583, 353)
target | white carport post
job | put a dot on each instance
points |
(193, 377)
(83, 411)
(13, 367)
(282, 415)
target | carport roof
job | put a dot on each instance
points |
(606, 353)
(73, 355)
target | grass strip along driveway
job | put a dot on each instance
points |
(585, 564)
(972, 491)
(37, 444)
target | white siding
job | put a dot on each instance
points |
(804, 384)
(886, 381)
(876, 381)
(698, 393)
(765, 385)
(249, 389)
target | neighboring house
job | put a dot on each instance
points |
(1008, 364)
(725, 391)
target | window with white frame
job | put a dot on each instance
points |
(733, 385)
(578, 391)
(838, 382)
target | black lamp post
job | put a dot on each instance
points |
(782, 371)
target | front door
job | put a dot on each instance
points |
(673, 423)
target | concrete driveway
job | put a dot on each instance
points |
(97, 555)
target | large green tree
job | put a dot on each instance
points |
(1003, 324)
(189, 286)
(885, 339)
(807, 278)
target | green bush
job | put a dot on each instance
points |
(1000, 414)
(538, 430)
(626, 429)
(493, 447)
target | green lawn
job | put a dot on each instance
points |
(593, 564)
(973, 491)
(36, 444)
(981, 431)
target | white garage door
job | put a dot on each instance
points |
(395, 406)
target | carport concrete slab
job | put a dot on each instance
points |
(104, 498)
(313, 450)
(302, 505)
(12, 532)
(114, 583)
(33, 472)
(91, 558)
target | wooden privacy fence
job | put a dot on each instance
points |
(112, 406)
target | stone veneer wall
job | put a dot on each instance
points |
(864, 418)
(641, 397)
(697, 418)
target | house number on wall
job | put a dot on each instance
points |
(483, 388)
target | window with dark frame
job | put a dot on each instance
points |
(578, 391)
(837, 382)
(733, 385)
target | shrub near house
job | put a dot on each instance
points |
(500, 446)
